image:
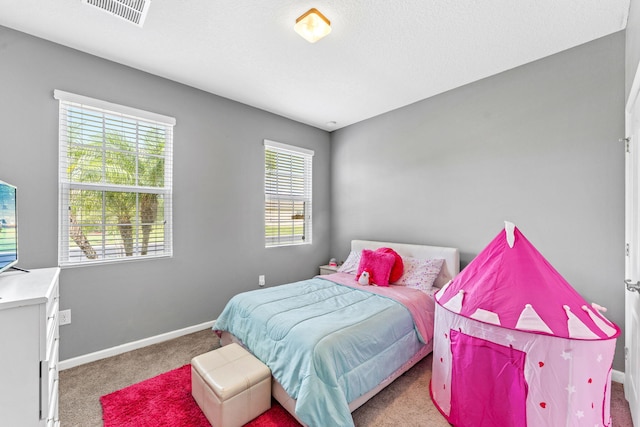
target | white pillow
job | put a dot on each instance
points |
(420, 273)
(351, 264)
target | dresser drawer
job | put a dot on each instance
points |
(49, 364)
(52, 419)
(49, 384)
(52, 365)
(51, 327)
(52, 301)
(52, 308)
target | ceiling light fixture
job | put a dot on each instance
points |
(312, 25)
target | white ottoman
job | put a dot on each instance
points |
(231, 386)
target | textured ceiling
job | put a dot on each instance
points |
(380, 55)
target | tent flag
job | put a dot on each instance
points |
(602, 323)
(509, 229)
(486, 316)
(455, 303)
(530, 321)
(576, 328)
(442, 290)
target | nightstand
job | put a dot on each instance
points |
(328, 269)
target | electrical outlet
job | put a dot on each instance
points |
(261, 281)
(64, 317)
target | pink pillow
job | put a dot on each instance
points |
(378, 264)
(398, 265)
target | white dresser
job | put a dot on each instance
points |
(29, 348)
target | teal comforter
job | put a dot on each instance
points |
(325, 343)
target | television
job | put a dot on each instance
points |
(8, 226)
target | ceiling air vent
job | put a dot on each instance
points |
(134, 11)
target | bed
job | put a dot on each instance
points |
(331, 343)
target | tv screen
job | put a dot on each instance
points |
(8, 226)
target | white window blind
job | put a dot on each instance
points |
(287, 183)
(115, 182)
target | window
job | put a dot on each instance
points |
(287, 194)
(115, 183)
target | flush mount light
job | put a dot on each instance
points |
(312, 25)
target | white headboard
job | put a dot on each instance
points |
(451, 256)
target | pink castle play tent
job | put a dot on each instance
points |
(516, 345)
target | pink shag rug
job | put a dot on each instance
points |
(166, 400)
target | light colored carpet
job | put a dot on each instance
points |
(81, 387)
(405, 402)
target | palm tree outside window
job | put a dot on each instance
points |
(115, 182)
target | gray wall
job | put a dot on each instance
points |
(632, 51)
(536, 145)
(218, 196)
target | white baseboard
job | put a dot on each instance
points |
(114, 351)
(617, 376)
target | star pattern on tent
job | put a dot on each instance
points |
(565, 355)
(570, 389)
(579, 414)
(510, 338)
(599, 358)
